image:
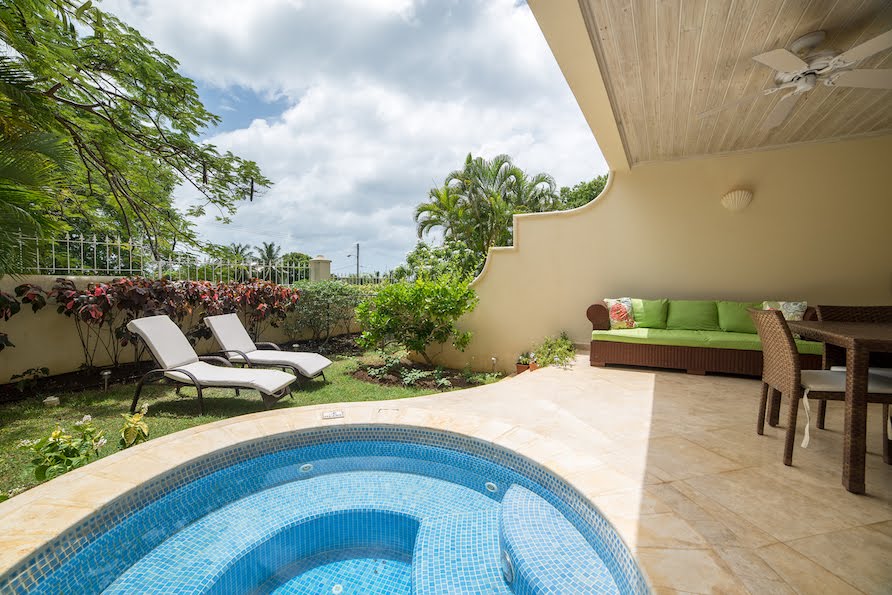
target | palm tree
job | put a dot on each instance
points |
(268, 252)
(443, 209)
(477, 203)
(239, 252)
(32, 163)
(534, 194)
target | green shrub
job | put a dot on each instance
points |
(391, 364)
(412, 376)
(555, 351)
(59, 452)
(325, 308)
(414, 315)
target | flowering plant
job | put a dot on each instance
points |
(135, 428)
(61, 452)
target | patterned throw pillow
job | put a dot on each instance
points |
(620, 311)
(791, 310)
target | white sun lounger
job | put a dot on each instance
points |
(180, 363)
(237, 345)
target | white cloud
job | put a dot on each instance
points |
(385, 98)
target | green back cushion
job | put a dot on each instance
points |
(650, 313)
(734, 318)
(694, 315)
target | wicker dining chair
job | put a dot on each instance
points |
(782, 373)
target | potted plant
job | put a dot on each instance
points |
(523, 362)
(534, 365)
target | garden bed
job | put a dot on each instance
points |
(400, 371)
(79, 380)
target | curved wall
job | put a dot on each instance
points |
(818, 229)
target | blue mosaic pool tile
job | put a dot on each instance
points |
(350, 572)
(92, 554)
(548, 554)
(459, 553)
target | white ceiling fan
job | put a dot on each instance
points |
(801, 68)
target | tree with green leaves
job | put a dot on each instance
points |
(581, 194)
(429, 262)
(295, 258)
(131, 120)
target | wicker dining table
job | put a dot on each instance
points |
(859, 339)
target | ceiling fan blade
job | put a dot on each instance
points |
(781, 110)
(868, 48)
(731, 104)
(866, 79)
(782, 60)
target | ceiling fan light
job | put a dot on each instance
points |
(737, 200)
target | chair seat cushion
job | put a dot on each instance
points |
(308, 364)
(265, 381)
(887, 372)
(688, 338)
(833, 381)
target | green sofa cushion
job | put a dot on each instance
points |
(685, 338)
(693, 315)
(650, 313)
(734, 318)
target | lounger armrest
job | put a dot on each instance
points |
(268, 345)
(599, 317)
(215, 358)
(247, 362)
(163, 371)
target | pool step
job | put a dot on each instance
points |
(458, 553)
(196, 558)
(547, 553)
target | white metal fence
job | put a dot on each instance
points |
(98, 256)
(367, 278)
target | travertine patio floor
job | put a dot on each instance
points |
(672, 460)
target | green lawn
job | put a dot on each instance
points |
(167, 412)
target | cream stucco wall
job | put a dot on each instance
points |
(819, 228)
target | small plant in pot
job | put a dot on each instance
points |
(534, 363)
(523, 362)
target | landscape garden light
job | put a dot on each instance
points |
(106, 374)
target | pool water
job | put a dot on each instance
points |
(359, 510)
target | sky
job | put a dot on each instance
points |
(355, 109)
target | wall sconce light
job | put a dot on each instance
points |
(737, 200)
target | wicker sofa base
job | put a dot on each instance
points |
(696, 360)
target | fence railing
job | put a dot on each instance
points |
(106, 256)
(367, 279)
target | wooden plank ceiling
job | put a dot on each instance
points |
(666, 61)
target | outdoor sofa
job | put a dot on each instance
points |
(693, 335)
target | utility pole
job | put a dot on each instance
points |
(357, 262)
